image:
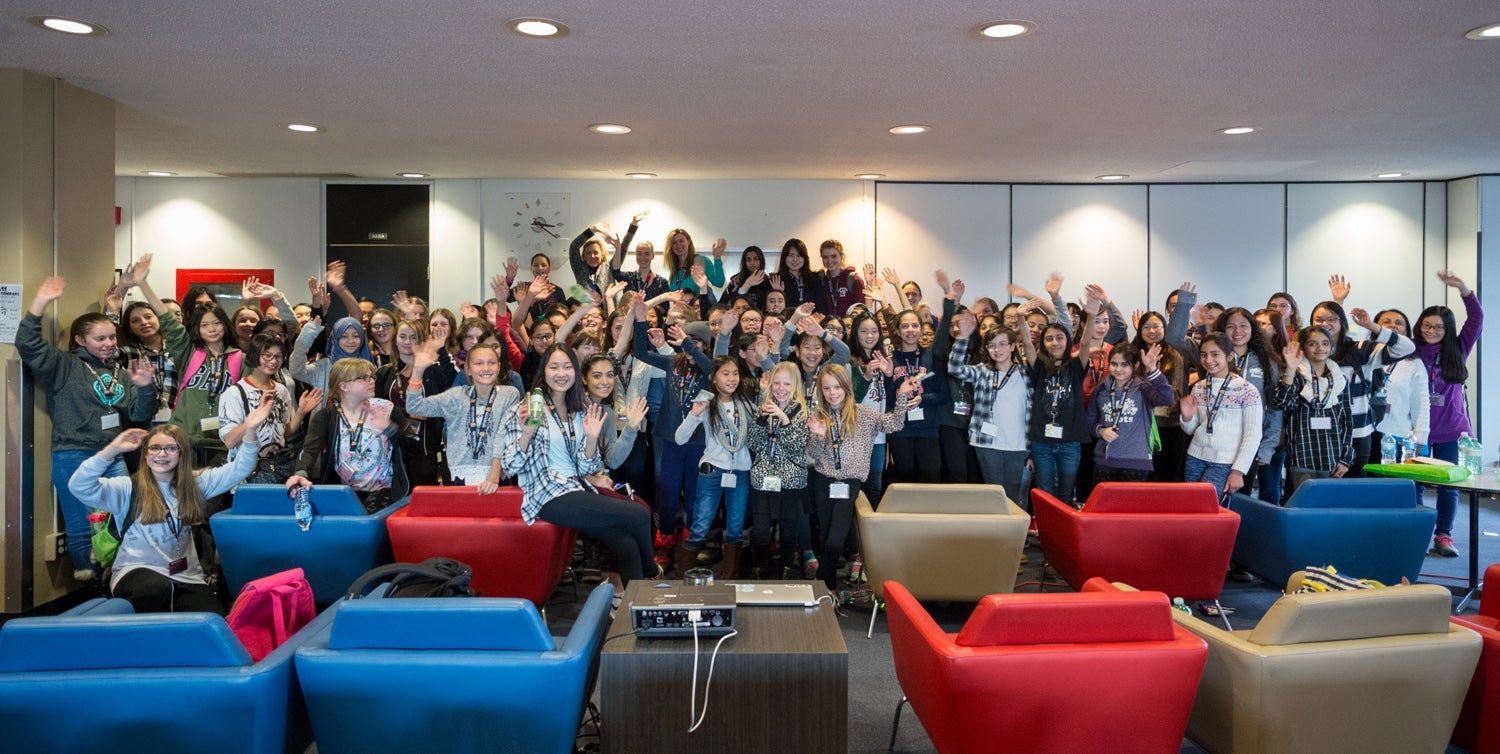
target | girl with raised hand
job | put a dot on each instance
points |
(778, 476)
(1059, 415)
(724, 472)
(676, 463)
(471, 415)
(752, 280)
(212, 365)
(152, 334)
(1120, 413)
(382, 336)
(422, 443)
(1359, 359)
(346, 340)
(1255, 360)
(1444, 350)
(1291, 317)
(157, 567)
(1314, 398)
(1152, 329)
(1223, 415)
(1403, 385)
(275, 455)
(550, 455)
(89, 397)
(872, 374)
(353, 440)
(914, 450)
(619, 441)
(841, 433)
(1002, 401)
(681, 258)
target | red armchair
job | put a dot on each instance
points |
(509, 558)
(1100, 670)
(1478, 728)
(1165, 537)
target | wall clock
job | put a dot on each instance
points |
(538, 223)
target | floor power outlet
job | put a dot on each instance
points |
(57, 546)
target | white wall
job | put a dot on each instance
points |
(1227, 240)
(1091, 234)
(963, 230)
(1371, 233)
(1482, 399)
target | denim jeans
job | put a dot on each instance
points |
(1198, 470)
(1447, 498)
(736, 499)
(1056, 468)
(76, 512)
(1005, 468)
(1268, 478)
(874, 485)
(676, 483)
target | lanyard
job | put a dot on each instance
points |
(354, 435)
(217, 367)
(1213, 407)
(1001, 385)
(1240, 362)
(1115, 405)
(1321, 401)
(1055, 390)
(569, 432)
(836, 437)
(731, 429)
(107, 387)
(479, 427)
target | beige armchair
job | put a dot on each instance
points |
(1376, 670)
(942, 541)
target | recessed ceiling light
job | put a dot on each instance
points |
(1004, 29)
(1389, 175)
(411, 175)
(640, 175)
(1490, 31)
(160, 173)
(869, 176)
(1113, 177)
(541, 28)
(69, 26)
(1236, 130)
(909, 130)
(609, 128)
(306, 128)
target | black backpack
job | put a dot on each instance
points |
(433, 577)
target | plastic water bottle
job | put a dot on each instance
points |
(1388, 449)
(1409, 447)
(303, 509)
(1469, 454)
(1180, 606)
(536, 408)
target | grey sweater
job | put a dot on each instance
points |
(78, 416)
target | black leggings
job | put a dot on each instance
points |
(787, 509)
(914, 459)
(835, 518)
(623, 526)
(151, 592)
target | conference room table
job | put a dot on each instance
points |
(1484, 483)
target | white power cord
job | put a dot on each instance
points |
(695, 617)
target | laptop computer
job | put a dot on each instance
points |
(769, 594)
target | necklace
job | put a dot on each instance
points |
(107, 387)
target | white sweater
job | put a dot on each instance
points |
(1237, 424)
(1408, 405)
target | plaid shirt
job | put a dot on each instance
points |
(539, 481)
(1309, 448)
(174, 337)
(986, 381)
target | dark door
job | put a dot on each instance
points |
(381, 232)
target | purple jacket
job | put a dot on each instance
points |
(1450, 420)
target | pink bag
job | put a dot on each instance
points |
(269, 610)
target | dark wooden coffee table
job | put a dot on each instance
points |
(782, 684)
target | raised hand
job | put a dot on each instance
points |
(1054, 283)
(468, 310)
(1188, 287)
(656, 337)
(1189, 405)
(1292, 354)
(639, 216)
(777, 284)
(720, 246)
(756, 278)
(114, 298)
(1362, 318)
(142, 373)
(402, 304)
(378, 414)
(956, 290)
(539, 287)
(312, 288)
(892, 277)
(675, 335)
(262, 411)
(818, 427)
(1151, 358)
(615, 289)
(1135, 318)
(512, 266)
(942, 279)
(870, 276)
(593, 421)
(262, 290)
(136, 273)
(1453, 281)
(774, 329)
(321, 298)
(728, 321)
(636, 412)
(1098, 293)
(966, 323)
(334, 277)
(1339, 288)
(811, 326)
(700, 276)
(699, 407)
(127, 441)
(50, 290)
(247, 288)
(498, 286)
(881, 364)
(424, 354)
(311, 401)
(771, 410)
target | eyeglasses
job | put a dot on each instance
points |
(382, 326)
(1325, 321)
(1432, 327)
(162, 450)
(272, 356)
(368, 377)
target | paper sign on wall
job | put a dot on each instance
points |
(11, 311)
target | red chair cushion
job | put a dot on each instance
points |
(451, 502)
(1082, 618)
(1148, 497)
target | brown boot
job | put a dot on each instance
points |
(730, 567)
(686, 559)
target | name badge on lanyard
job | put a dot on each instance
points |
(110, 420)
(1320, 422)
(839, 490)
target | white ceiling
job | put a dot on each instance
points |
(1341, 89)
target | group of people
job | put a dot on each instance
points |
(643, 408)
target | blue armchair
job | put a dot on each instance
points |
(258, 536)
(101, 678)
(450, 675)
(1367, 528)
